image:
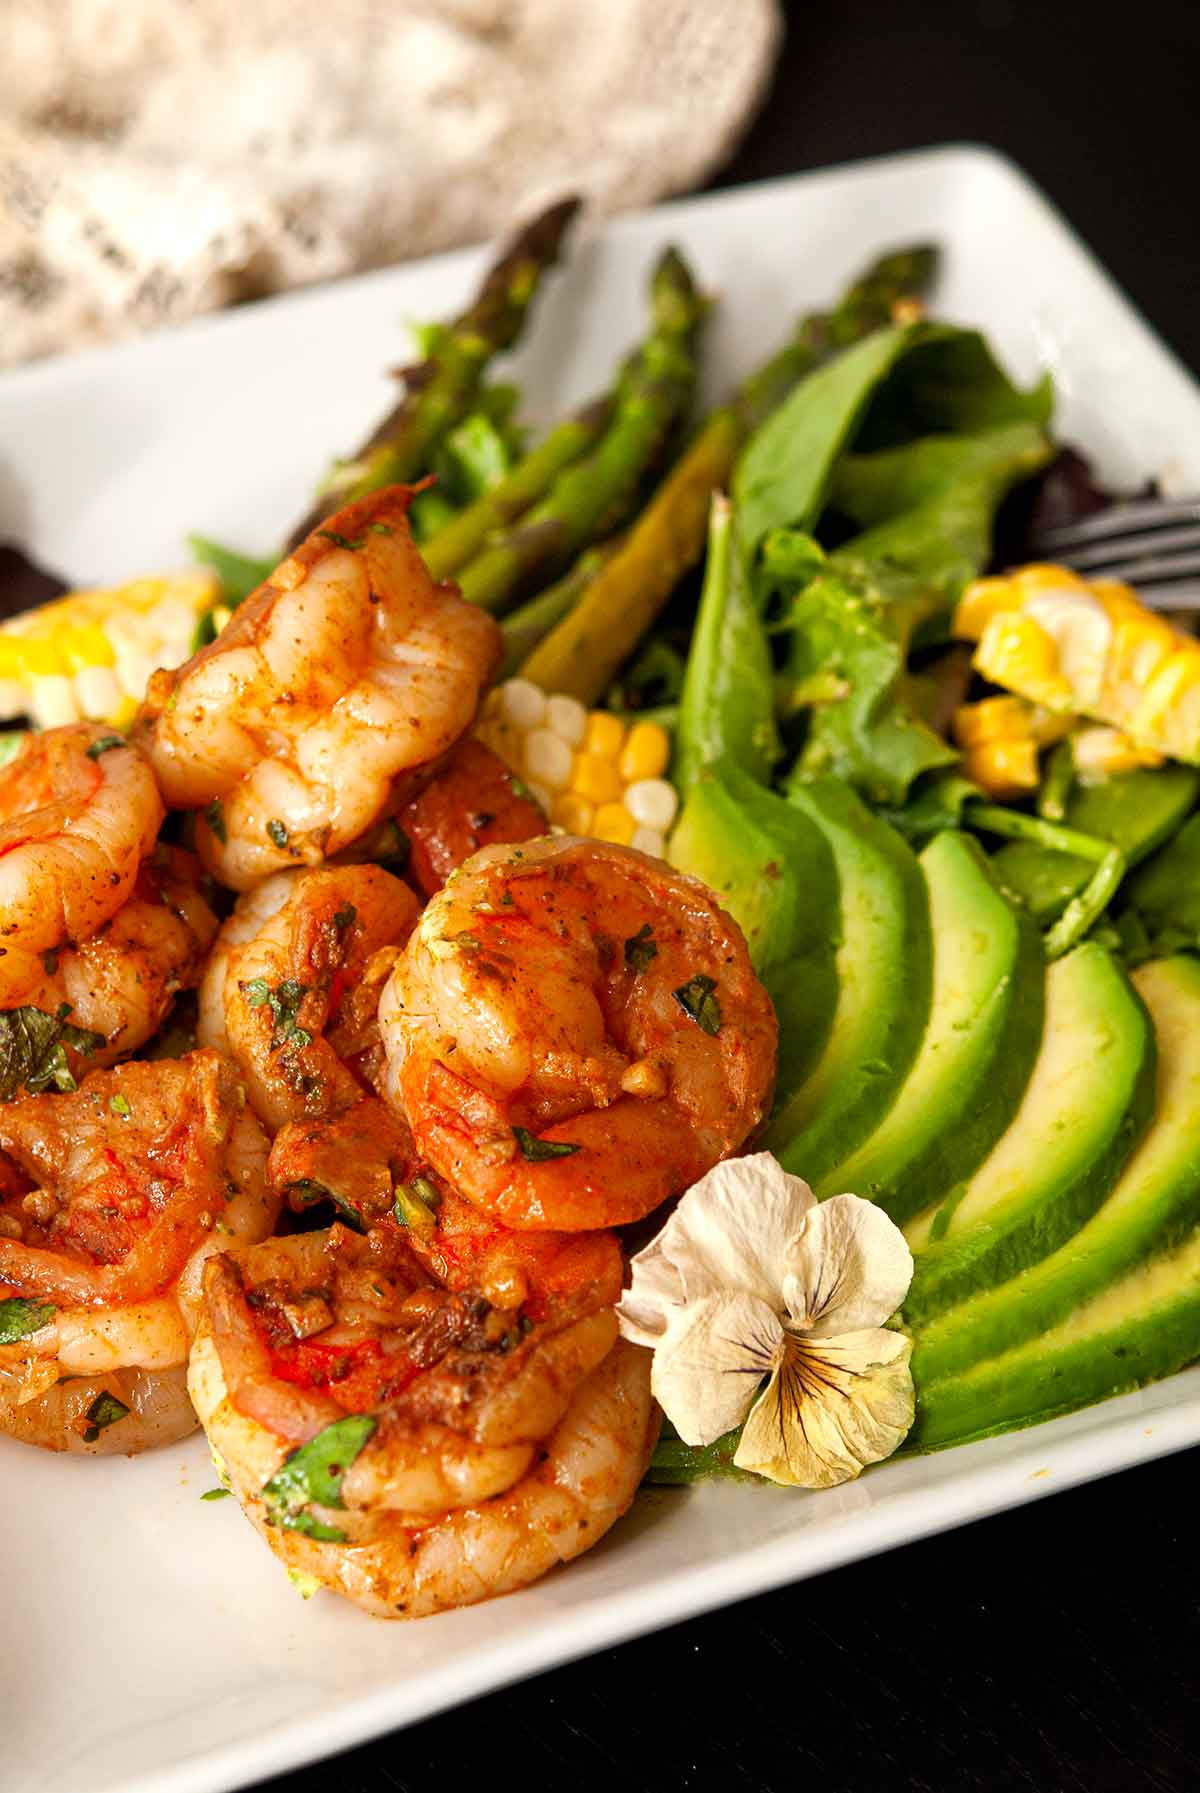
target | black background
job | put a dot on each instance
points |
(1053, 1649)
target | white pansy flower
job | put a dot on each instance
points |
(753, 1279)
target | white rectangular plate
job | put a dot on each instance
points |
(154, 1642)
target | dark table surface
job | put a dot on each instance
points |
(1054, 1648)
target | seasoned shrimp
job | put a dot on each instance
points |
(111, 1200)
(79, 811)
(353, 1159)
(499, 1425)
(349, 668)
(120, 982)
(575, 1033)
(293, 985)
(473, 801)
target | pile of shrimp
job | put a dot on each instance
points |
(355, 1208)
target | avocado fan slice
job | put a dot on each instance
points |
(884, 983)
(1105, 1282)
(774, 872)
(1087, 1102)
(979, 1047)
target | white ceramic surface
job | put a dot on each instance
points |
(153, 1643)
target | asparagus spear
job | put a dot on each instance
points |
(592, 496)
(524, 627)
(440, 389)
(452, 546)
(583, 652)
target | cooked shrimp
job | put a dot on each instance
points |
(79, 811)
(353, 1159)
(473, 801)
(111, 1200)
(575, 1033)
(504, 1426)
(293, 985)
(120, 983)
(349, 668)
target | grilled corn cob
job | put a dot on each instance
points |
(591, 772)
(89, 655)
(1088, 648)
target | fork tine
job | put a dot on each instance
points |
(1110, 552)
(1155, 568)
(1185, 596)
(1120, 519)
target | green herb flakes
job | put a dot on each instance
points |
(20, 1318)
(313, 1474)
(32, 1050)
(216, 1494)
(538, 1150)
(104, 745)
(104, 1411)
(284, 1002)
(696, 999)
(415, 1205)
(120, 1105)
(352, 544)
(640, 949)
(214, 815)
(277, 833)
(345, 918)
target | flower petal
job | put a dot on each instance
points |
(710, 1361)
(654, 1294)
(850, 1268)
(733, 1229)
(831, 1407)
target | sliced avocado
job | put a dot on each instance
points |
(883, 965)
(980, 1044)
(1086, 1104)
(1147, 1325)
(1152, 1206)
(1136, 811)
(773, 870)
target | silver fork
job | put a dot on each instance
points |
(1151, 543)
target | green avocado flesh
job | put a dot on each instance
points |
(1147, 1220)
(1136, 811)
(773, 871)
(980, 1043)
(1086, 1104)
(883, 966)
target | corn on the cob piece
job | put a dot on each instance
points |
(1001, 738)
(1087, 648)
(90, 654)
(592, 773)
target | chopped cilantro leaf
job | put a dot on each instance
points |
(640, 949)
(216, 1494)
(696, 999)
(343, 541)
(104, 1411)
(20, 1318)
(313, 1473)
(277, 832)
(537, 1150)
(32, 1050)
(305, 1193)
(104, 745)
(284, 1002)
(120, 1105)
(345, 918)
(214, 815)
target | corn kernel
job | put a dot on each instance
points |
(981, 601)
(605, 735)
(83, 647)
(613, 822)
(1014, 651)
(97, 693)
(646, 752)
(652, 803)
(1098, 752)
(573, 813)
(1047, 726)
(992, 719)
(596, 779)
(1002, 768)
(568, 718)
(649, 840)
(548, 759)
(52, 701)
(541, 796)
(522, 703)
